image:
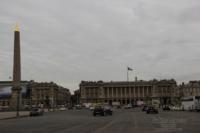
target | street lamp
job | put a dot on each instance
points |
(18, 99)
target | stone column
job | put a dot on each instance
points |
(89, 92)
(138, 91)
(117, 92)
(108, 94)
(125, 92)
(120, 92)
(112, 92)
(121, 95)
(143, 91)
(94, 92)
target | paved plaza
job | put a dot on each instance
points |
(122, 121)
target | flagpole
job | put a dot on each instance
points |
(129, 95)
(127, 74)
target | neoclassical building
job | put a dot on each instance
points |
(128, 92)
(49, 94)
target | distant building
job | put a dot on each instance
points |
(33, 93)
(75, 98)
(48, 94)
(128, 92)
(192, 88)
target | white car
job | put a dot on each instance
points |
(62, 109)
(176, 108)
(128, 106)
(91, 107)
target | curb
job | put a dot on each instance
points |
(14, 117)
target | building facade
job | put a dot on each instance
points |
(47, 94)
(192, 88)
(128, 92)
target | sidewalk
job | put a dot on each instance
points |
(9, 115)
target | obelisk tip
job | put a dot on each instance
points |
(17, 27)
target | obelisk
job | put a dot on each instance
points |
(16, 89)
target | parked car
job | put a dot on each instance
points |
(118, 107)
(36, 112)
(98, 110)
(70, 107)
(152, 110)
(62, 108)
(197, 107)
(128, 106)
(108, 110)
(92, 108)
(145, 108)
(78, 106)
(166, 108)
(176, 108)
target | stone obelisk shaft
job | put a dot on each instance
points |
(16, 89)
(17, 61)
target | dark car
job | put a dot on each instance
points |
(98, 111)
(118, 107)
(70, 107)
(152, 110)
(166, 108)
(78, 107)
(108, 110)
(36, 112)
(145, 108)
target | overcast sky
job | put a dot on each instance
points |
(67, 41)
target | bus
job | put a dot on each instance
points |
(190, 103)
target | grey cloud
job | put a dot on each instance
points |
(69, 41)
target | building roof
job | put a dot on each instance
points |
(139, 82)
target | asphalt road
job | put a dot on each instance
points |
(122, 121)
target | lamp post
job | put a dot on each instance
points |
(18, 100)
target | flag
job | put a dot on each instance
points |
(129, 69)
